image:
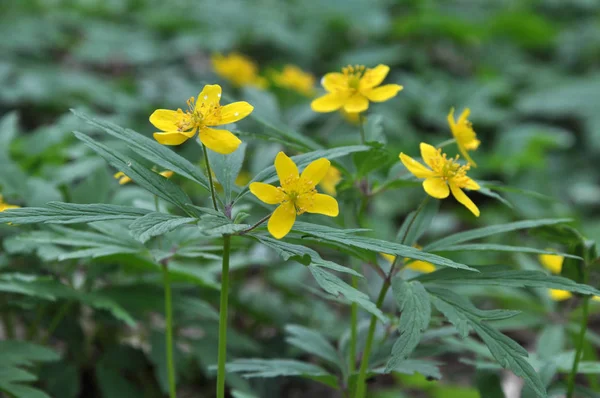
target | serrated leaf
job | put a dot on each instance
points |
(411, 366)
(279, 368)
(227, 168)
(218, 225)
(70, 213)
(413, 303)
(155, 224)
(335, 286)
(328, 234)
(313, 342)
(150, 149)
(491, 230)
(501, 248)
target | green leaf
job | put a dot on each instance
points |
(150, 149)
(213, 225)
(328, 234)
(500, 248)
(314, 343)
(269, 174)
(413, 303)
(411, 231)
(335, 286)
(491, 230)
(373, 159)
(155, 224)
(250, 368)
(147, 179)
(8, 130)
(70, 213)
(503, 276)
(428, 369)
(227, 168)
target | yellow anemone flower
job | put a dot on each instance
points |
(123, 179)
(354, 88)
(552, 262)
(331, 179)
(6, 206)
(443, 173)
(415, 265)
(238, 69)
(296, 195)
(559, 295)
(463, 133)
(296, 79)
(203, 113)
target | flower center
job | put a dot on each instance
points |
(353, 75)
(195, 117)
(299, 192)
(449, 169)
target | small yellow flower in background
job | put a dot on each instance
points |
(352, 118)
(238, 69)
(331, 179)
(354, 88)
(463, 133)
(123, 179)
(296, 195)
(296, 79)
(552, 262)
(559, 295)
(243, 178)
(445, 176)
(415, 265)
(202, 113)
(6, 206)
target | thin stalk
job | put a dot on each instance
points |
(210, 179)
(169, 332)
(156, 203)
(361, 127)
(353, 330)
(8, 322)
(580, 342)
(258, 224)
(223, 318)
(56, 321)
(445, 143)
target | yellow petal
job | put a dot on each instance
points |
(464, 199)
(267, 193)
(166, 173)
(233, 112)
(330, 181)
(374, 77)
(166, 120)
(328, 103)
(463, 151)
(220, 141)
(421, 266)
(286, 169)
(316, 171)
(282, 220)
(436, 187)
(334, 81)
(471, 184)
(596, 298)
(173, 137)
(552, 262)
(320, 204)
(210, 94)
(416, 168)
(383, 93)
(4, 206)
(429, 154)
(560, 295)
(123, 179)
(389, 257)
(451, 121)
(464, 116)
(356, 103)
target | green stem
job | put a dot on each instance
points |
(156, 203)
(169, 332)
(56, 320)
(210, 179)
(361, 126)
(353, 330)
(8, 322)
(580, 342)
(223, 318)
(445, 143)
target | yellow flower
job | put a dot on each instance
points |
(331, 179)
(123, 179)
(203, 113)
(463, 133)
(238, 69)
(444, 173)
(415, 265)
(296, 79)
(354, 88)
(559, 295)
(296, 195)
(6, 206)
(552, 262)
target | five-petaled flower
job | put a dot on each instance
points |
(463, 133)
(238, 69)
(6, 206)
(204, 112)
(124, 179)
(296, 195)
(354, 88)
(443, 176)
(296, 79)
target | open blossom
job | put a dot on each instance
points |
(202, 114)
(238, 69)
(463, 133)
(123, 179)
(6, 206)
(295, 195)
(296, 79)
(354, 88)
(444, 175)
